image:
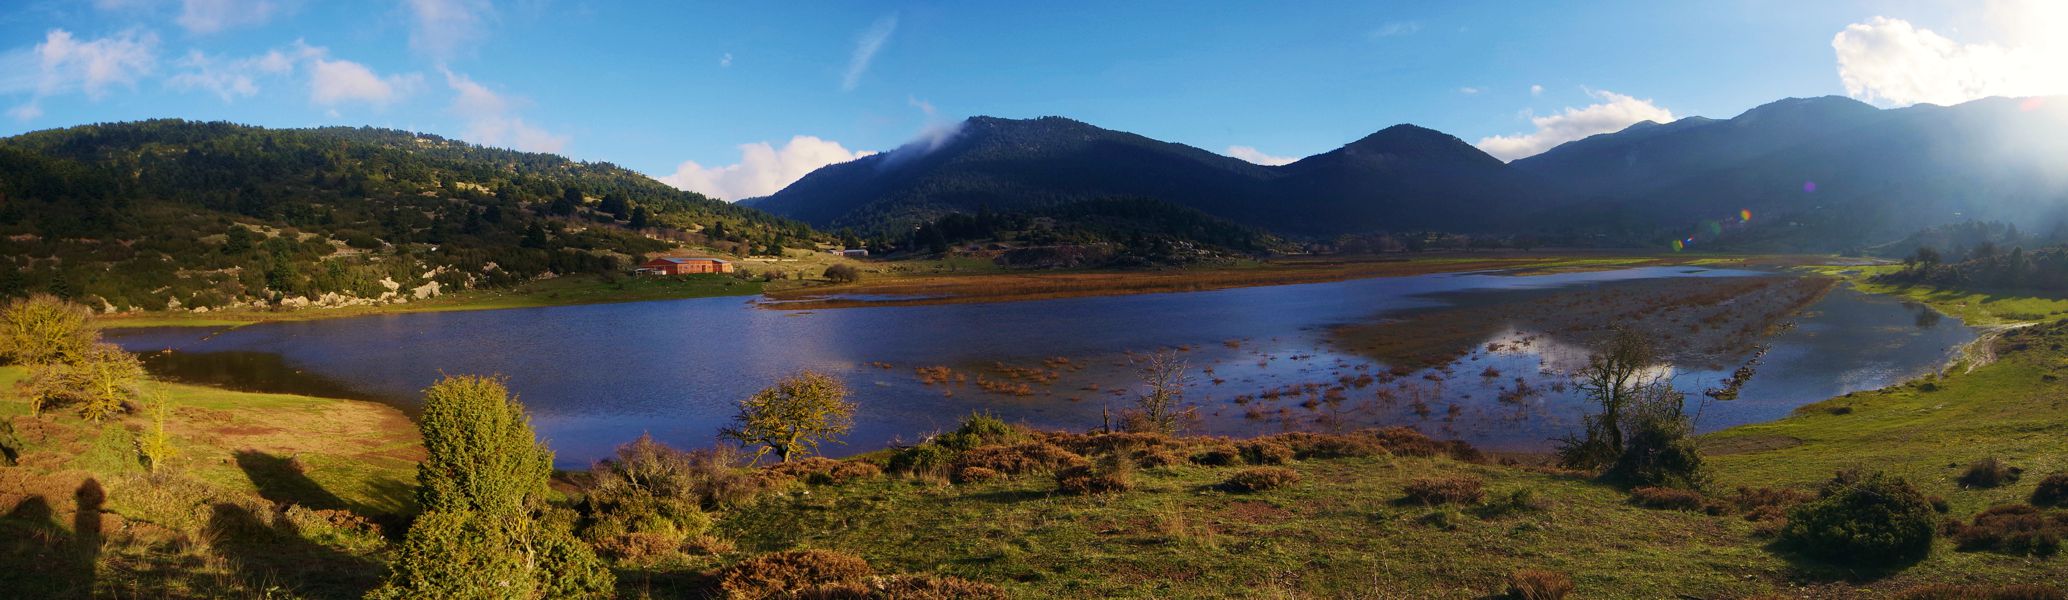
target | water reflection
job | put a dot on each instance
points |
(597, 375)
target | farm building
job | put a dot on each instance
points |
(671, 265)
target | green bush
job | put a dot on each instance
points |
(922, 458)
(485, 531)
(1657, 449)
(1869, 519)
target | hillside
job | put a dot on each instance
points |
(172, 213)
(1820, 174)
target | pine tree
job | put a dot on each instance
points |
(485, 531)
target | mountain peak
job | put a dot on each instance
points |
(1817, 107)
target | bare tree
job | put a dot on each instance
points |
(1616, 377)
(1161, 408)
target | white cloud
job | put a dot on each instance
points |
(67, 63)
(865, 49)
(333, 82)
(1892, 62)
(491, 120)
(1613, 113)
(228, 79)
(443, 28)
(210, 16)
(1258, 156)
(725, 62)
(762, 169)
(1469, 91)
(26, 112)
(1397, 28)
(1536, 90)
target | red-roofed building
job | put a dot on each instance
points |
(672, 265)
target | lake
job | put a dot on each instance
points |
(595, 376)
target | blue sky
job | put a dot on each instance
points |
(739, 98)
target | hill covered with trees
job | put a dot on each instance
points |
(171, 213)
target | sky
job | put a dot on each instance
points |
(737, 99)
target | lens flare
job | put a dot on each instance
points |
(1677, 246)
(1745, 214)
(1809, 187)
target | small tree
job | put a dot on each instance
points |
(843, 274)
(100, 382)
(1616, 376)
(1161, 408)
(794, 416)
(43, 329)
(155, 446)
(485, 531)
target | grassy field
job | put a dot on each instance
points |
(1974, 307)
(84, 518)
(550, 292)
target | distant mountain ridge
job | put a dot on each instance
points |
(1811, 165)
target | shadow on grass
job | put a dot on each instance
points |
(1807, 568)
(40, 559)
(283, 482)
(278, 555)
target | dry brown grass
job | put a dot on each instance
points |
(780, 574)
(1538, 584)
(1432, 491)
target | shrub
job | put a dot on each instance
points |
(1265, 452)
(975, 475)
(1110, 476)
(1947, 591)
(100, 381)
(1306, 445)
(43, 329)
(790, 572)
(1667, 498)
(979, 429)
(481, 488)
(1019, 458)
(1870, 519)
(1657, 450)
(2052, 491)
(843, 274)
(1989, 473)
(1217, 456)
(923, 458)
(2012, 529)
(819, 470)
(638, 547)
(1446, 490)
(1257, 479)
(1538, 584)
(1157, 457)
(154, 447)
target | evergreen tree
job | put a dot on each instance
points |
(486, 531)
(640, 218)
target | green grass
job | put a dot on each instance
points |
(1980, 308)
(1340, 533)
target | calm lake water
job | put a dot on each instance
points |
(596, 376)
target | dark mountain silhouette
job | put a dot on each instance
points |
(1818, 173)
